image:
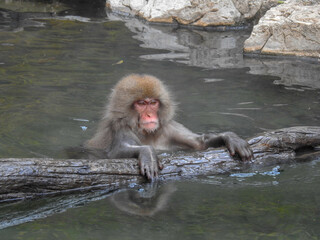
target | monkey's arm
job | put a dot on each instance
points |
(126, 145)
(183, 136)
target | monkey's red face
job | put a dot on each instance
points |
(148, 113)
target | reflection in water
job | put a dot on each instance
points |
(302, 75)
(219, 50)
(16, 21)
(192, 47)
(17, 15)
(17, 213)
(146, 201)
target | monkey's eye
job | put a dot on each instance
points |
(142, 103)
(152, 103)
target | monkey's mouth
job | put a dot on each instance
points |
(149, 125)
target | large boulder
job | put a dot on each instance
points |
(193, 12)
(292, 28)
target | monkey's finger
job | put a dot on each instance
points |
(251, 154)
(243, 154)
(142, 171)
(148, 173)
(246, 154)
(241, 151)
(160, 165)
(247, 157)
(232, 150)
(155, 173)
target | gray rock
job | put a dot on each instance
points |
(292, 28)
(193, 12)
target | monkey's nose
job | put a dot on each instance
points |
(149, 114)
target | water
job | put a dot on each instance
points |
(55, 74)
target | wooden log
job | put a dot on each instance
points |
(26, 178)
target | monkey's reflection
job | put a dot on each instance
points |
(147, 202)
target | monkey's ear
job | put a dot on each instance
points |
(167, 110)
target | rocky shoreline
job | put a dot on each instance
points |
(290, 28)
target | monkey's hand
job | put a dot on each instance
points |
(149, 162)
(237, 145)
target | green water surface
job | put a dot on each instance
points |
(55, 75)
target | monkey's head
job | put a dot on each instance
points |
(141, 101)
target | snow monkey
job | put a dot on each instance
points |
(139, 120)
